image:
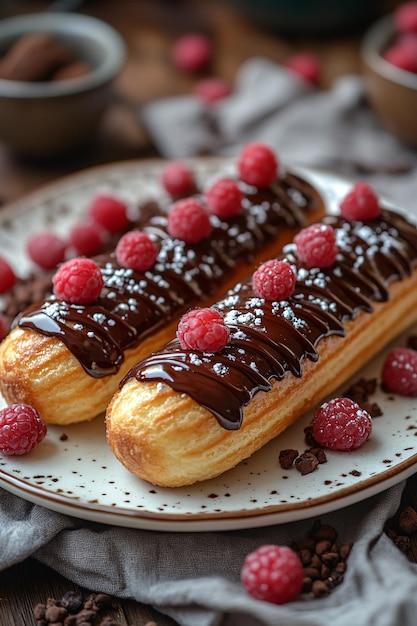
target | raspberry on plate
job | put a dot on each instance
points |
(78, 281)
(21, 429)
(361, 203)
(7, 276)
(178, 179)
(273, 574)
(224, 198)
(257, 164)
(189, 221)
(274, 280)
(46, 249)
(316, 245)
(110, 212)
(136, 250)
(341, 424)
(399, 372)
(192, 52)
(306, 66)
(203, 330)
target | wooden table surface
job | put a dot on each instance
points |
(149, 28)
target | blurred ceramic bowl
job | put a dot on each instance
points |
(310, 17)
(391, 91)
(48, 118)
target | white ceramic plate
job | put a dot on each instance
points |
(74, 472)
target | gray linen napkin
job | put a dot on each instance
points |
(194, 577)
(332, 129)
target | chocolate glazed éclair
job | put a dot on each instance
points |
(269, 339)
(133, 305)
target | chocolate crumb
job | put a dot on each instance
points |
(309, 437)
(287, 457)
(412, 342)
(306, 463)
(324, 560)
(407, 521)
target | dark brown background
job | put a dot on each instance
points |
(149, 28)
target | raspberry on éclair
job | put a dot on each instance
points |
(178, 179)
(78, 281)
(203, 329)
(189, 221)
(224, 198)
(136, 250)
(361, 203)
(110, 212)
(316, 245)
(274, 280)
(257, 164)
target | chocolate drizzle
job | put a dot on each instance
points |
(269, 339)
(133, 305)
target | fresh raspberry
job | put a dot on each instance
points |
(204, 330)
(211, 90)
(86, 238)
(192, 52)
(178, 179)
(257, 164)
(46, 249)
(21, 429)
(188, 220)
(273, 574)
(224, 198)
(4, 327)
(316, 245)
(405, 17)
(399, 372)
(341, 424)
(402, 55)
(361, 203)
(306, 66)
(110, 212)
(7, 276)
(78, 281)
(274, 280)
(137, 251)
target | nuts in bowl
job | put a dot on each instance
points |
(389, 53)
(56, 72)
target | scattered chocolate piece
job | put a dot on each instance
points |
(407, 521)
(360, 391)
(309, 437)
(287, 458)
(74, 610)
(319, 453)
(412, 342)
(323, 559)
(306, 463)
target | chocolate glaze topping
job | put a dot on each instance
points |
(133, 305)
(270, 338)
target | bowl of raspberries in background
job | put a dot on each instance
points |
(389, 53)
